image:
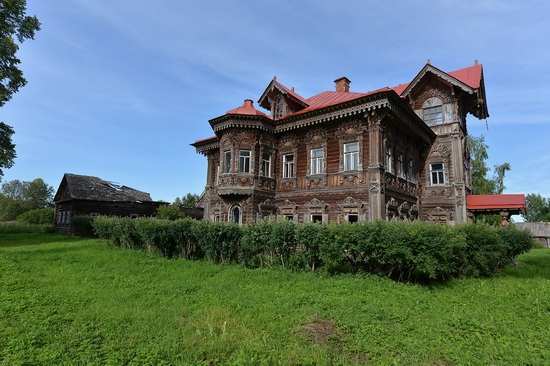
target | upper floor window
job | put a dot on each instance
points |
(278, 108)
(437, 174)
(288, 165)
(410, 171)
(435, 112)
(389, 163)
(266, 165)
(244, 161)
(401, 165)
(227, 162)
(351, 156)
(317, 161)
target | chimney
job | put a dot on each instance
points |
(342, 84)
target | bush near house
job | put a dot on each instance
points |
(402, 251)
(38, 216)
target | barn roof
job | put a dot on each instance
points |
(83, 187)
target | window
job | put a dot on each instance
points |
(288, 165)
(351, 156)
(435, 112)
(317, 218)
(389, 160)
(410, 171)
(235, 214)
(437, 174)
(244, 161)
(353, 217)
(400, 165)
(227, 162)
(266, 165)
(317, 161)
(278, 108)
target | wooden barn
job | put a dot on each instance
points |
(397, 153)
(81, 195)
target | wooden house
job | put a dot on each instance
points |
(396, 153)
(81, 195)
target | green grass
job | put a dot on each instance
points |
(77, 301)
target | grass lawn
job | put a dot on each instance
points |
(78, 301)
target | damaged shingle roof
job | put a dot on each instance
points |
(83, 187)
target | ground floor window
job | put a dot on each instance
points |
(236, 214)
(316, 218)
(353, 217)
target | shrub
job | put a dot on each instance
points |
(169, 212)
(156, 235)
(219, 241)
(517, 241)
(83, 225)
(39, 216)
(485, 253)
(187, 243)
(400, 250)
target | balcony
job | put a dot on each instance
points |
(243, 184)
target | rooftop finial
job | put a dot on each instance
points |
(476, 62)
(275, 77)
(429, 62)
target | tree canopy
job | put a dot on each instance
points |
(538, 208)
(189, 200)
(17, 197)
(7, 148)
(15, 27)
(481, 183)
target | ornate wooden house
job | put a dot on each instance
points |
(393, 153)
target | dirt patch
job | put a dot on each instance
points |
(320, 331)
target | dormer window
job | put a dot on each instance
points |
(278, 108)
(435, 112)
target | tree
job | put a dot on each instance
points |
(537, 207)
(480, 183)
(169, 212)
(14, 24)
(17, 197)
(7, 148)
(189, 200)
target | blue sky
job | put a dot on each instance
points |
(119, 89)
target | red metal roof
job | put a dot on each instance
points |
(495, 202)
(292, 92)
(329, 98)
(213, 138)
(470, 76)
(247, 109)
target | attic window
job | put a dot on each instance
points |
(278, 108)
(435, 112)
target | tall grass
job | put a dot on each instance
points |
(76, 301)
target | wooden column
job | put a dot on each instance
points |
(375, 169)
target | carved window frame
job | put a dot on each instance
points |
(289, 173)
(316, 139)
(440, 174)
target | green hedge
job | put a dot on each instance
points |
(402, 251)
